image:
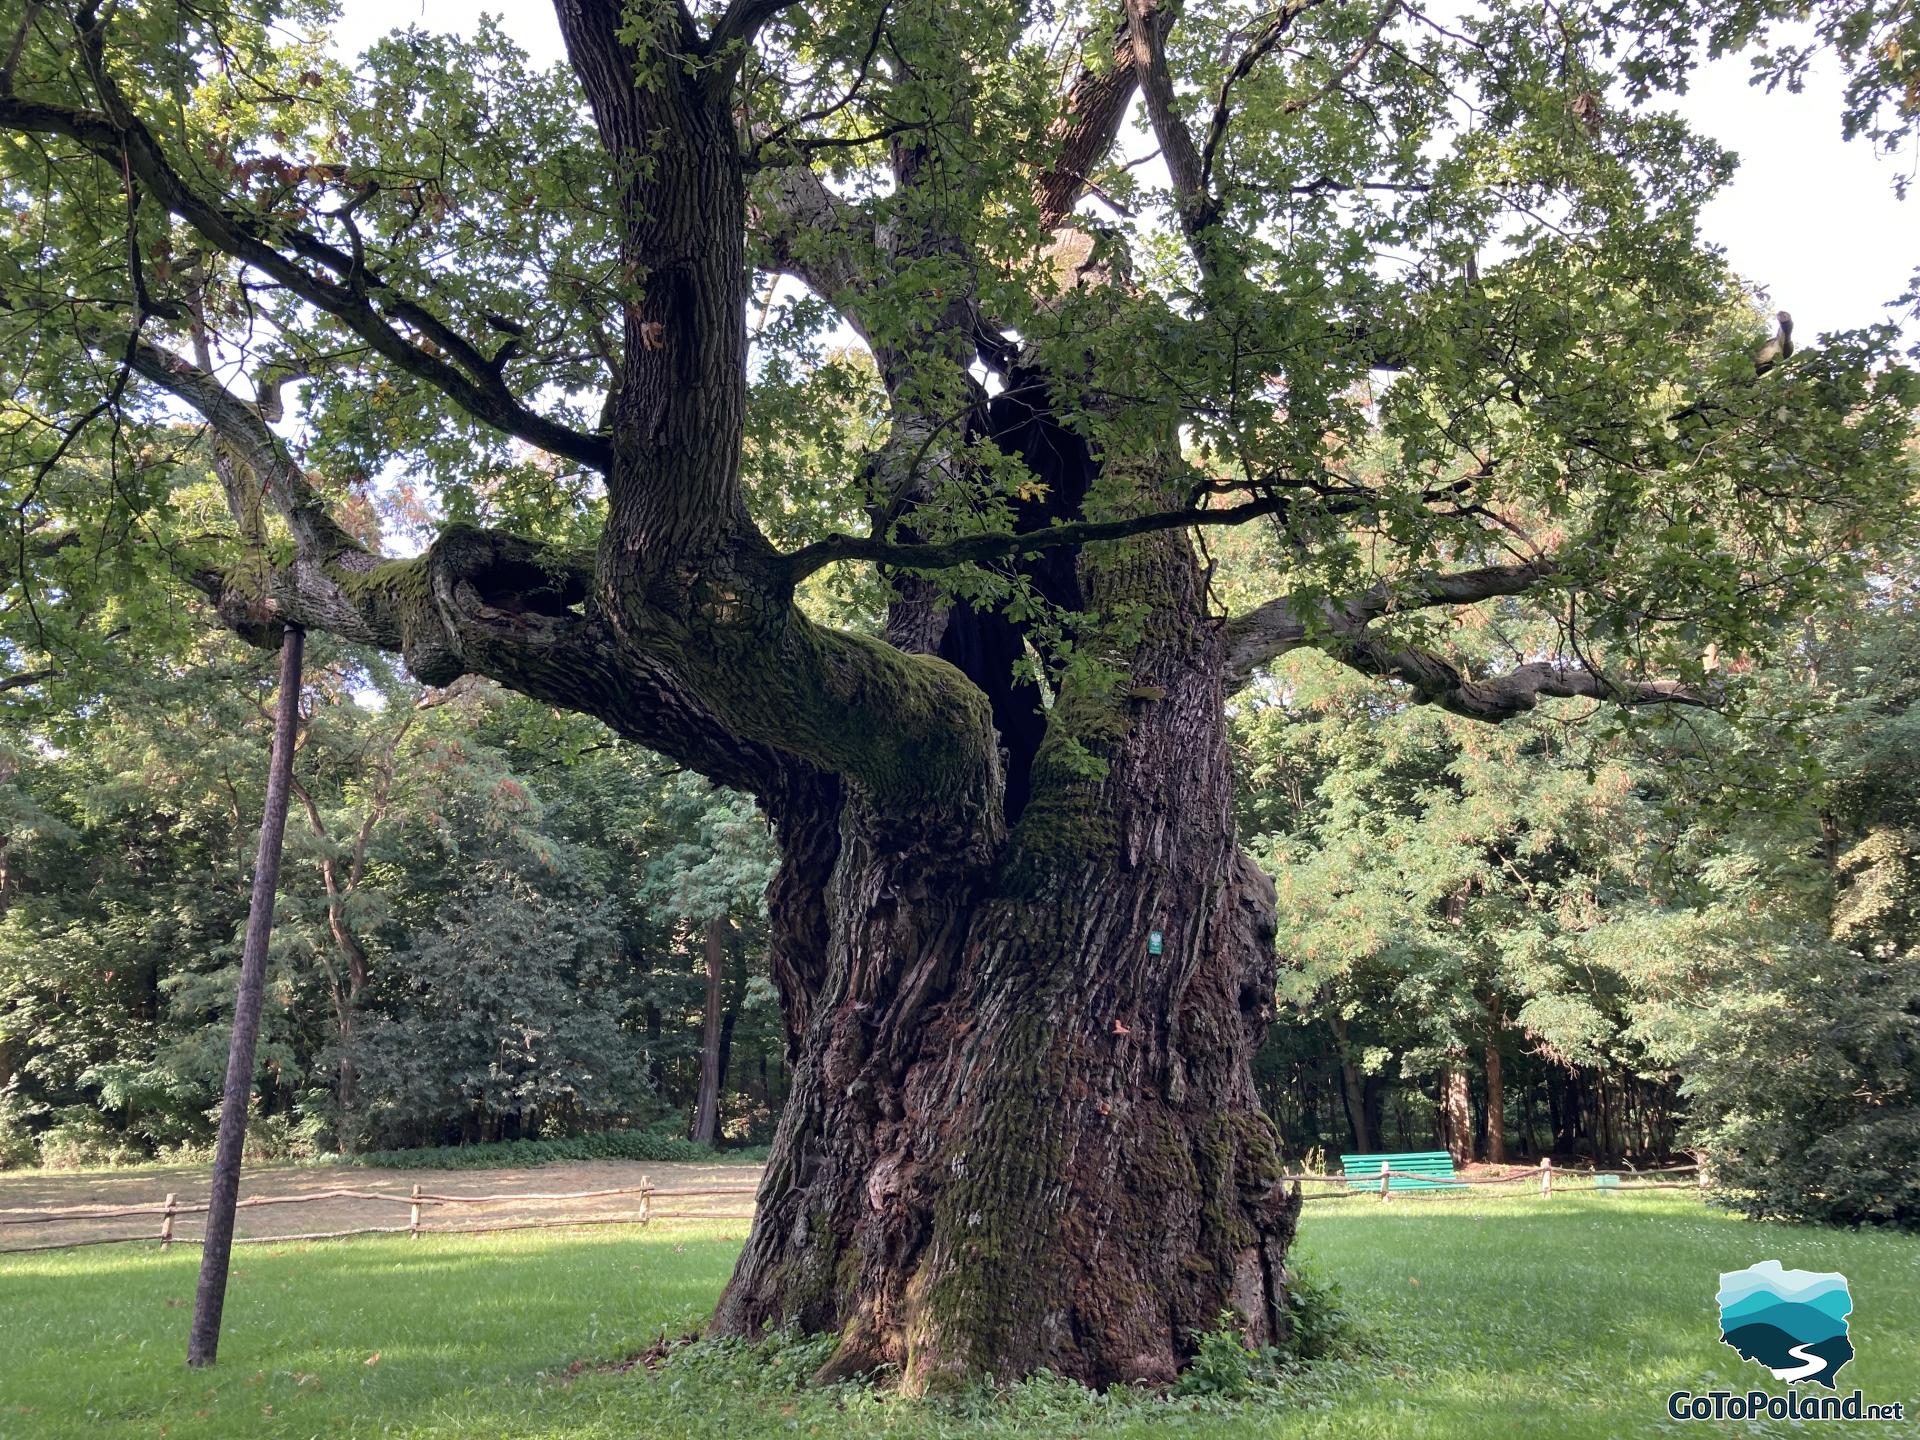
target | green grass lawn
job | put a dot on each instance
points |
(1496, 1317)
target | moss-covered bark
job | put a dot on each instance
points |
(1023, 1134)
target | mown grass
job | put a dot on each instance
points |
(1493, 1317)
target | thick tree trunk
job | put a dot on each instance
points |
(1023, 1129)
(706, 1111)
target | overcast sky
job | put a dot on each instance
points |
(1809, 218)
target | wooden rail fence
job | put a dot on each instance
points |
(1606, 1181)
(643, 1212)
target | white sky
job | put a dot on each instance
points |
(1809, 218)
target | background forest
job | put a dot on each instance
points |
(1576, 934)
(495, 922)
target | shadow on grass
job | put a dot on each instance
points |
(338, 1338)
(1499, 1318)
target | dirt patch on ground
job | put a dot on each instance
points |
(547, 1193)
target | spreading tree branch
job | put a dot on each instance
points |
(1438, 681)
(1341, 628)
(1269, 631)
(14, 51)
(1274, 497)
(790, 211)
(1148, 22)
(1001, 545)
(21, 679)
(358, 299)
(241, 427)
(1085, 133)
(1270, 34)
(742, 21)
(476, 602)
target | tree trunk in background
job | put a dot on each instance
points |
(1494, 1149)
(353, 956)
(706, 1115)
(1566, 1125)
(348, 1079)
(1496, 1108)
(7, 883)
(656, 1072)
(203, 1343)
(1353, 1089)
(730, 1015)
(1456, 1112)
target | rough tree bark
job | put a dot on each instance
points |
(1023, 1129)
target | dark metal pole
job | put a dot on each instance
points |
(204, 1343)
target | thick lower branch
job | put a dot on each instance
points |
(484, 603)
(1342, 629)
(1513, 692)
(1269, 631)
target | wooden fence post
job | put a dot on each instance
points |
(413, 1216)
(166, 1226)
(646, 1200)
(1383, 1179)
(1546, 1176)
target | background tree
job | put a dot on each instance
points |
(531, 291)
(117, 959)
(715, 866)
(1450, 894)
(1691, 934)
(1799, 1029)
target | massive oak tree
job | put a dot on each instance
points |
(838, 396)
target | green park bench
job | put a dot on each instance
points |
(1363, 1171)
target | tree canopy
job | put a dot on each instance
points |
(1429, 295)
(867, 406)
